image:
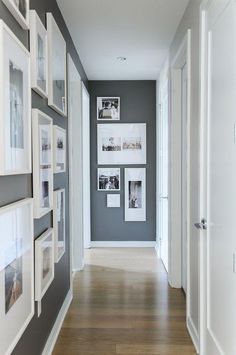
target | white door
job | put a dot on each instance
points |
(86, 167)
(163, 176)
(184, 154)
(75, 165)
(218, 189)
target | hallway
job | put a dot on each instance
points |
(123, 305)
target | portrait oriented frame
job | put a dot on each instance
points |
(59, 157)
(17, 220)
(135, 194)
(15, 105)
(121, 143)
(58, 214)
(42, 163)
(38, 33)
(57, 67)
(23, 21)
(100, 106)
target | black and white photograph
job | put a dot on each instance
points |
(121, 143)
(16, 106)
(135, 194)
(108, 108)
(45, 144)
(59, 135)
(108, 179)
(41, 64)
(44, 178)
(20, 10)
(59, 224)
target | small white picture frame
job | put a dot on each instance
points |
(135, 195)
(59, 224)
(44, 263)
(108, 108)
(57, 67)
(20, 10)
(39, 55)
(59, 149)
(15, 107)
(108, 179)
(16, 272)
(113, 200)
(42, 163)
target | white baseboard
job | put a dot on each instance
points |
(193, 333)
(123, 244)
(157, 250)
(48, 349)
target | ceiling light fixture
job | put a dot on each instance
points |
(121, 59)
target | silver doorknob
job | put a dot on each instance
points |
(202, 225)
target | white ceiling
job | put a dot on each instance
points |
(141, 30)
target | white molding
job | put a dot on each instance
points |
(123, 244)
(157, 249)
(48, 349)
(193, 333)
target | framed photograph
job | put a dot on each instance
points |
(135, 194)
(59, 224)
(16, 272)
(39, 55)
(57, 90)
(121, 143)
(113, 200)
(44, 263)
(42, 163)
(20, 10)
(108, 179)
(59, 144)
(15, 107)
(108, 108)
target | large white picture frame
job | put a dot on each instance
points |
(39, 55)
(135, 194)
(59, 224)
(57, 67)
(15, 105)
(16, 272)
(44, 265)
(59, 149)
(20, 10)
(121, 143)
(42, 163)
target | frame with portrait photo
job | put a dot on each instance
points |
(59, 150)
(59, 224)
(135, 194)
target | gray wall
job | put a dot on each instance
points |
(18, 187)
(138, 105)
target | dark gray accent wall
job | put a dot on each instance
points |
(14, 188)
(138, 105)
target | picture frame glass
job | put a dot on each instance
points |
(135, 194)
(108, 179)
(47, 251)
(59, 223)
(108, 108)
(59, 150)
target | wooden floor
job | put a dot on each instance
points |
(123, 305)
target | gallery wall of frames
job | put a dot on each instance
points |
(122, 137)
(34, 238)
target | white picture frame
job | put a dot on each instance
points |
(59, 149)
(121, 143)
(16, 272)
(20, 11)
(38, 55)
(135, 194)
(57, 67)
(108, 179)
(59, 224)
(113, 200)
(44, 265)
(108, 108)
(15, 105)
(42, 163)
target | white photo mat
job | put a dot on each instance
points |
(108, 179)
(42, 163)
(121, 143)
(113, 200)
(20, 12)
(57, 67)
(59, 224)
(39, 55)
(135, 194)
(108, 108)
(59, 149)
(15, 107)
(16, 272)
